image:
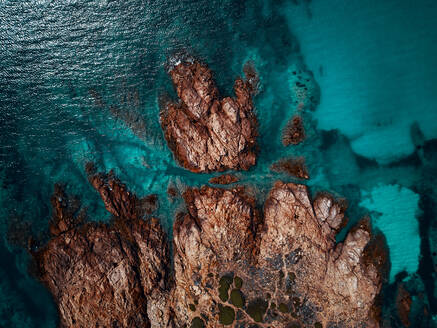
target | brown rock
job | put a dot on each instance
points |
(293, 166)
(104, 275)
(291, 269)
(224, 179)
(294, 132)
(403, 304)
(66, 211)
(205, 132)
(231, 263)
(118, 200)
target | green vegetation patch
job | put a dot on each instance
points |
(197, 323)
(225, 283)
(192, 307)
(238, 282)
(318, 325)
(237, 298)
(283, 308)
(256, 309)
(226, 315)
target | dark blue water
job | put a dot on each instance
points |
(81, 81)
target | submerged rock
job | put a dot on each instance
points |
(224, 179)
(293, 166)
(294, 132)
(205, 132)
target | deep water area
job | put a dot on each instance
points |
(82, 81)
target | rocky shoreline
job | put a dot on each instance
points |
(232, 263)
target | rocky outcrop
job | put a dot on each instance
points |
(232, 263)
(106, 275)
(234, 266)
(205, 132)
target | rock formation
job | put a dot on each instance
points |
(232, 264)
(207, 133)
(284, 270)
(104, 275)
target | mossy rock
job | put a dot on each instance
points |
(226, 315)
(197, 323)
(283, 308)
(318, 325)
(192, 307)
(256, 309)
(237, 298)
(238, 282)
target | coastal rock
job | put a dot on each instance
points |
(236, 266)
(107, 275)
(205, 132)
(233, 265)
(403, 304)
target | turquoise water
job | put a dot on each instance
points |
(81, 81)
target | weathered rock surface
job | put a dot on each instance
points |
(205, 132)
(104, 275)
(233, 265)
(284, 270)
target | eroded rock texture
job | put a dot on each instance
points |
(284, 270)
(205, 132)
(233, 265)
(105, 275)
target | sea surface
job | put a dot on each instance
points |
(82, 81)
